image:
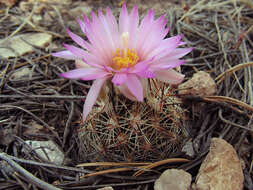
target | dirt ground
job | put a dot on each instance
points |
(37, 104)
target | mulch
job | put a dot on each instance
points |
(44, 106)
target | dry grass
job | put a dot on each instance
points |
(222, 36)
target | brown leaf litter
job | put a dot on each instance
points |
(221, 34)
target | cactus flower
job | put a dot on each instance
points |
(126, 52)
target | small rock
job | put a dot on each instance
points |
(201, 84)
(21, 73)
(37, 19)
(173, 179)
(8, 3)
(81, 9)
(47, 149)
(42, 5)
(16, 46)
(7, 136)
(221, 170)
(188, 149)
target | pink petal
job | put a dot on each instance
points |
(80, 41)
(134, 22)
(172, 55)
(126, 92)
(144, 29)
(157, 65)
(96, 75)
(82, 54)
(142, 69)
(76, 51)
(84, 73)
(92, 96)
(179, 52)
(95, 37)
(119, 78)
(141, 66)
(112, 22)
(87, 22)
(108, 31)
(151, 37)
(182, 43)
(109, 69)
(166, 46)
(101, 39)
(169, 76)
(66, 55)
(155, 34)
(123, 19)
(82, 25)
(93, 64)
(146, 74)
(80, 64)
(135, 87)
(154, 42)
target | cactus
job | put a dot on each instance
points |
(118, 129)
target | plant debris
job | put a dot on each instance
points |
(221, 34)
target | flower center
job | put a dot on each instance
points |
(124, 57)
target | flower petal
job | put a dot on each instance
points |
(92, 64)
(182, 43)
(142, 69)
(108, 31)
(82, 25)
(82, 54)
(92, 96)
(66, 55)
(80, 41)
(179, 52)
(144, 29)
(126, 92)
(135, 87)
(146, 74)
(96, 37)
(101, 37)
(112, 22)
(134, 22)
(155, 34)
(96, 75)
(166, 64)
(172, 55)
(123, 19)
(119, 78)
(80, 64)
(165, 47)
(141, 66)
(169, 76)
(84, 73)
(76, 51)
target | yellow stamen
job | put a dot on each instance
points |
(124, 57)
(124, 60)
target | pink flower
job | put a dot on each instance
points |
(126, 52)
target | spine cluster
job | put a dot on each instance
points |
(121, 130)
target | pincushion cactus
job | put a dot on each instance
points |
(135, 58)
(122, 130)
